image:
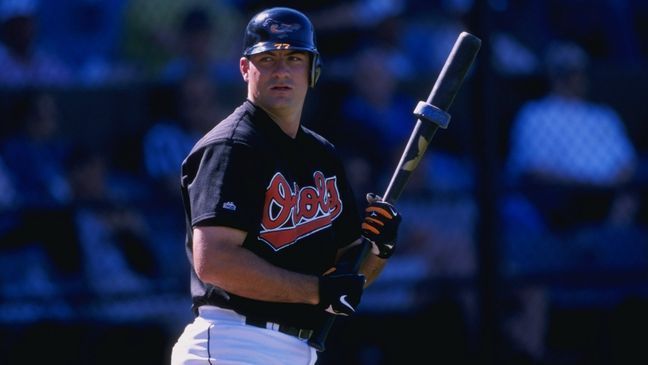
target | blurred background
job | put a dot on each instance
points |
(525, 238)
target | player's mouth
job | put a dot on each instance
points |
(281, 88)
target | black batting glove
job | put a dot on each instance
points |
(380, 226)
(340, 293)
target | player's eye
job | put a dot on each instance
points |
(297, 57)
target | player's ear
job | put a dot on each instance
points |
(244, 66)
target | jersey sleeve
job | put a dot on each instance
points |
(223, 186)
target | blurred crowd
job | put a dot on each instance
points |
(102, 100)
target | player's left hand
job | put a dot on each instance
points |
(380, 226)
(340, 293)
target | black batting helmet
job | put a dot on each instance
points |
(282, 28)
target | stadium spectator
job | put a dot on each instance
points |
(23, 62)
(195, 51)
(378, 110)
(35, 154)
(151, 39)
(113, 234)
(168, 141)
(569, 164)
(572, 156)
(86, 35)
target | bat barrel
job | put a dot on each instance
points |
(454, 71)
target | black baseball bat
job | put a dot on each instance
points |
(431, 115)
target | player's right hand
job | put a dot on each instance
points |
(380, 226)
(340, 293)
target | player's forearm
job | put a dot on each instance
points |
(241, 272)
(372, 267)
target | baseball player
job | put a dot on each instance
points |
(269, 211)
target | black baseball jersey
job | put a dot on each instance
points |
(291, 196)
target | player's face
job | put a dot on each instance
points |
(277, 80)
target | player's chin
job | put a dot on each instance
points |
(283, 98)
(277, 103)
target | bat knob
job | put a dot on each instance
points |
(431, 113)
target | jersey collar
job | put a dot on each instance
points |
(263, 120)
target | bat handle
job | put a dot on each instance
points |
(429, 119)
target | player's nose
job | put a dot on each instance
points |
(281, 68)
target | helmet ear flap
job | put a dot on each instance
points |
(316, 69)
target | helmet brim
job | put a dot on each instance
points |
(275, 46)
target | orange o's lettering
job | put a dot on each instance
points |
(290, 214)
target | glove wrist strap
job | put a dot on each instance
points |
(375, 250)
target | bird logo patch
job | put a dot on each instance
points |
(279, 28)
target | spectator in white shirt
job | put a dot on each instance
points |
(577, 148)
